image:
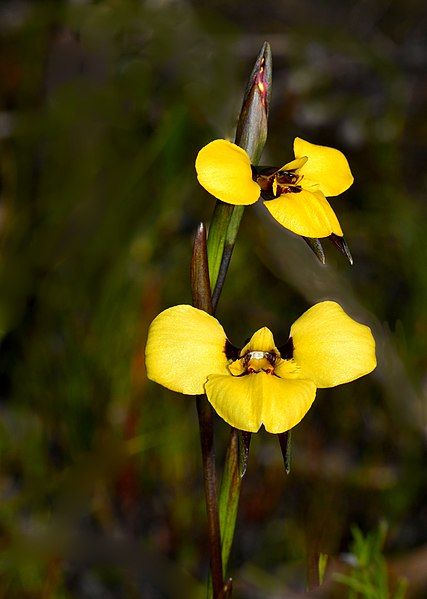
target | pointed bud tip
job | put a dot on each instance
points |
(199, 272)
(260, 79)
(265, 53)
(251, 131)
(316, 247)
(285, 446)
(244, 444)
(200, 231)
(201, 227)
(341, 244)
(199, 241)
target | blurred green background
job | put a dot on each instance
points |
(104, 106)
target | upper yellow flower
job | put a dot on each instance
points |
(188, 351)
(294, 194)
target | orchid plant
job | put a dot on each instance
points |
(262, 383)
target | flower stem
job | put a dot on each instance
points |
(230, 239)
(229, 496)
(208, 271)
(201, 293)
(313, 570)
(205, 414)
(216, 240)
(251, 135)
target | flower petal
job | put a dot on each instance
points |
(305, 213)
(237, 400)
(286, 369)
(295, 164)
(248, 401)
(286, 402)
(262, 340)
(224, 170)
(184, 346)
(328, 167)
(330, 348)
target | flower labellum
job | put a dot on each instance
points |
(188, 351)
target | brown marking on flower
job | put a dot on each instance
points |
(287, 350)
(231, 351)
(259, 361)
(277, 183)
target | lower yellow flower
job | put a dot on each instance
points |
(295, 195)
(188, 351)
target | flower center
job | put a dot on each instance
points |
(275, 184)
(259, 361)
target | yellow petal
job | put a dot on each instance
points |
(325, 166)
(330, 348)
(236, 368)
(295, 164)
(286, 402)
(224, 170)
(184, 346)
(286, 369)
(237, 400)
(248, 401)
(305, 213)
(262, 340)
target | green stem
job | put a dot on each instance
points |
(201, 293)
(251, 135)
(230, 239)
(216, 239)
(209, 272)
(229, 496)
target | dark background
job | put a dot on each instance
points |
(104, 106)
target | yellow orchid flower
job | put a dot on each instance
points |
(295, 195)
(188, 351)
